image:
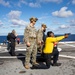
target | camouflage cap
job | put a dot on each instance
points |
(33, 19)
(44, 25)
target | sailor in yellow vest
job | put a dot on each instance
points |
(49, 45)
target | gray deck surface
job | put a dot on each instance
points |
(13, 66)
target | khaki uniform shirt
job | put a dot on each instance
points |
(30, 32)
(40, 35)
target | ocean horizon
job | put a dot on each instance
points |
(3, 38)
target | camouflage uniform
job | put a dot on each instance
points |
(30, 36)
(40, 37)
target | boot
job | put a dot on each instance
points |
(35, 63)
(57, 64)
(26, 66)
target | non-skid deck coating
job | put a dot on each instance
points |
(15, 66)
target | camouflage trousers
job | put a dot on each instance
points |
(31, 52)
(40, 48)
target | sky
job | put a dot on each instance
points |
(58, 15)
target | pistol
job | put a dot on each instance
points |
(67, 33)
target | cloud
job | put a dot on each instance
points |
(22, 2)
(55, 22)
(14, 14)
(29, 3)
(4, 27)
(43, 17)
(39, 2)
(65, 29)
(63, 12)
(14, 18)
(1, 23)
(56, 1)
(72, 21)
(18, 22)
(34, 4)
(73, 1)
(2, 2)
(64, 26)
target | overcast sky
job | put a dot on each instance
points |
(58, 15)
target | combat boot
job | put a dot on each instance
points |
(26, 66)
(57, 64)
(35, 63)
